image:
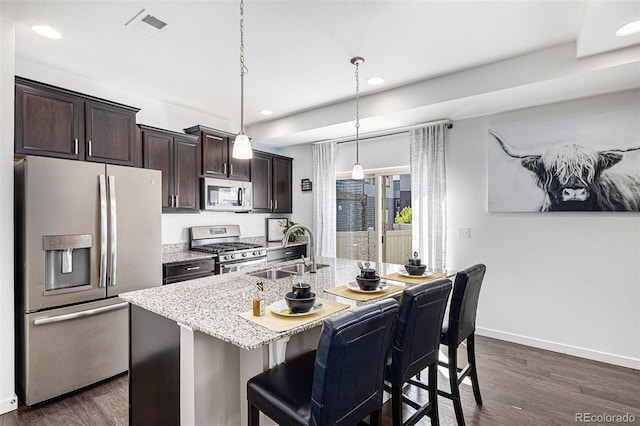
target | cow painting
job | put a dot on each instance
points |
(575, 177)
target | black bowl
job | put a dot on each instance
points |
(415, 269)
(300, 305)
(368, 284)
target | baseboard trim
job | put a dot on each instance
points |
(9, 404)
(608, 358)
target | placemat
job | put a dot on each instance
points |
(343, 291)
(279, 323)
(411, 280)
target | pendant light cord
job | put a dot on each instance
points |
(357, 111)
(243, 68)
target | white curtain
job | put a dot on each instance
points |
(324, 198)
(428, 195)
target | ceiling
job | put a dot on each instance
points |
(298, 52)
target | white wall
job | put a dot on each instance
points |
(565, 282)
(8, 399)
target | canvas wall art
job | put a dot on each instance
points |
(581, 163)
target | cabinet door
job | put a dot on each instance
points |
(214, 155)
(48, 123)
(282, 175)
(186, 176)
(110, 134)
(238, 169)
(158, 155)
(261, 182)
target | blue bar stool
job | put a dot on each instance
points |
(461, 326)
(339, 384)
(415, 347)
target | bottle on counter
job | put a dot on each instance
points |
(258, 301)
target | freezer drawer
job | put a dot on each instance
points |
(69, 348)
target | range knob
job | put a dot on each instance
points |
(245, 254)
(257, 252)
(226, 257)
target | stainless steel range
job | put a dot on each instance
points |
(224, 241)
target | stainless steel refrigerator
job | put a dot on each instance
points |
(85, 232)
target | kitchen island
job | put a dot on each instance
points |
(191, 353)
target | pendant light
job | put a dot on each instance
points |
(242, 145)
(357, 172)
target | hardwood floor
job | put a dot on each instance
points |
(520, 386)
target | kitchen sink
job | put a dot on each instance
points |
(301, 269)
(272, 274)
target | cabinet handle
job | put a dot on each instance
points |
(225, 169)
(276, 205)
(213, 137)
(75, 142)
(270, 204)
(210, 172)
(193, 268)
(89, 147)
(176, 200)
(231, 167)
(170, 200)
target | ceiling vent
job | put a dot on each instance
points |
(146, 23)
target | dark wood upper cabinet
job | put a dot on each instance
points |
(271, 183)
(110, 134)
(261, 184)
(48, 123)
(56, 122)
(217, 160)
(177, 155)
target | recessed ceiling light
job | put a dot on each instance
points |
(265, 112)
(629, 29)
(45, 31)
(374, 81)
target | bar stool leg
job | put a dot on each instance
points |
(471, 355)
(453, 382)
(396, 405)
(254, 416)
(433, 395)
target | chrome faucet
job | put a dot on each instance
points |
(312, 244)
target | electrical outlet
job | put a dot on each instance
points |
(464, 232)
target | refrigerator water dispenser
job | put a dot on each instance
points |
(67, 262)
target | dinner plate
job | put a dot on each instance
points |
(353, 286)
(280, 307)
(426, 274)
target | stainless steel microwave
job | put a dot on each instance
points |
(226, 195)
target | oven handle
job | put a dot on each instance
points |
(76, 315)
(243, 264)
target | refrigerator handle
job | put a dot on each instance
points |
(103, 231)
(113, 230)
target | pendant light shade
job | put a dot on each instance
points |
(242, 146)
(357, 172)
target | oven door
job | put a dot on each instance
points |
(238, 266)
(226, 195)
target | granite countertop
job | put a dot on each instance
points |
(211, 304)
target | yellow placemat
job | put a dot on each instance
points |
(343, 291)
(279, 323)
(413, 280)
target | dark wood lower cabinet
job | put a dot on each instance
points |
(154, 369)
